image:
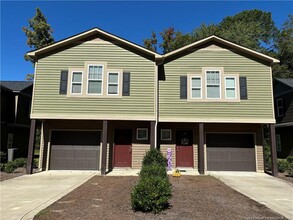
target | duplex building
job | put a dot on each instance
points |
(104, 101)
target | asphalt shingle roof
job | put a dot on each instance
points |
(286, 81)
(16, 85)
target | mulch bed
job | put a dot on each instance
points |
(194, 197)
(16, 173)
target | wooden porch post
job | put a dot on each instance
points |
(201, 149)
(31, 147)
(153, 130)
(273, 150)
(104, 147)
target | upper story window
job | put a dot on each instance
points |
(196, 90)
(213, 84)
(280, 107)
(113, 83)
(95, 79)
(230, 87)
(76, 82)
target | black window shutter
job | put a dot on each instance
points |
(183, 87)
(243, 87)
(126, 84)
(63, 82)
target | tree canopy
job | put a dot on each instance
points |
(253, 29)
(38, 33)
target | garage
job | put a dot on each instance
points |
(75, 150)
(230, 152)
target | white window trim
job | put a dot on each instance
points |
(144, 138)
(235, 87)
(170, 132)
(71, 82)
(87, 78)
(206, 84)
(192, 77)
(280, 107)
(118, 82)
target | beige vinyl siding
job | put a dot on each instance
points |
(138, 152)
(257, 107)
(48, 103)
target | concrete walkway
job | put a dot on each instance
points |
(24, 196)
(277, 194)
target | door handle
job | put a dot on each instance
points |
(130, 149)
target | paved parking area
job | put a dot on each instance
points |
(277, 194)
(24, 196)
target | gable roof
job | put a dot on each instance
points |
(88, 34)
(16, 86)
(287, 81)
(201, 43)
(160, 59)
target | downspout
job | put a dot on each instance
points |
(156, 105)
(159, 60)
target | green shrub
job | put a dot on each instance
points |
(289, 159)
(290, 169)
(154, 156)
(153, 170)
(10, 167)
(3, 157)
(282, 165)
(2, 166)
(20, 162)
(151, 194)
(267, 155)
(36, 163)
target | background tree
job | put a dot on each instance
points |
(39, 34)
(151, 43)
(284, 45)
(253, 29)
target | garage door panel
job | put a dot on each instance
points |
(239, 155)
(75, 150)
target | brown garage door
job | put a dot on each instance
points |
(75, 150)
(230, 152)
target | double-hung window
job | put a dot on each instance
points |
(196, 91)
(230, 87)
(113, 83)
(76, 82)
(95, 79)
(213, 84)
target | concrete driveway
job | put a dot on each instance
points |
(24, 196)
(272, 192)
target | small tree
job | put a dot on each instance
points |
(39, 34)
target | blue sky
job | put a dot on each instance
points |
(131, 20)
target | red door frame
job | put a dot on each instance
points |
(125, 147)
(182, 150)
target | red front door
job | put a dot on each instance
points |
(184, 148)
(122, 147)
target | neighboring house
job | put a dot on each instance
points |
(283, 96)
(16, 99)
(104, 101)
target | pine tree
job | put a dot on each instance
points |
(38, 32)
